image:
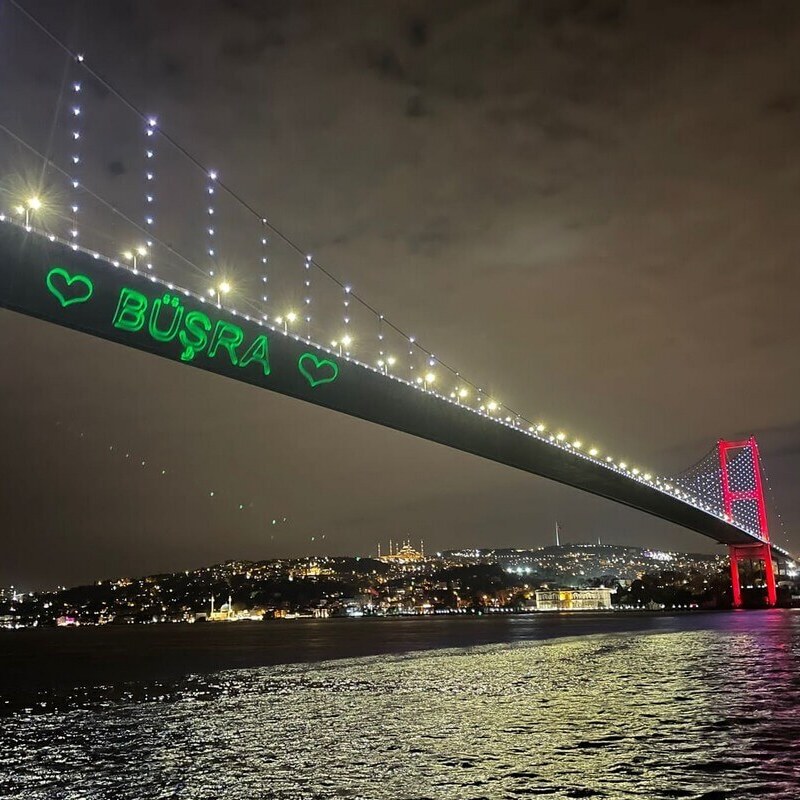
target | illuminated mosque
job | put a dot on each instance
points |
(402, 554)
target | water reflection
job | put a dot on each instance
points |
(694, 713)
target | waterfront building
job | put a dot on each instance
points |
(573, 599)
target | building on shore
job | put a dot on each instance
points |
(573, 599)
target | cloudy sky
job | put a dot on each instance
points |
(591, 207)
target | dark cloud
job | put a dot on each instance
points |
(418, 33)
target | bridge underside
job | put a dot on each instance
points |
(27, 262)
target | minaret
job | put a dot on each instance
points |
(230, 607)
(390, 547)
(557, 534)
(212, 605)
(379, 550)
(422, 548)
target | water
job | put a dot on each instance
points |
(656, 707)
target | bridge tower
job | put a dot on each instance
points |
(742, 488)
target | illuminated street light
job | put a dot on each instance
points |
(31, 204)
(384, 364)
(133, 255)
(220, 289)
(285, 321)
(345, 343)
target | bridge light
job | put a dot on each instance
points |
(34, 203)
(540, 427)
(593, 451)
(577, 444)
(290, 317)
(648, 476)
(623, 465)
(345, 341)
(224, 287)
(635, 471)
(134, 255)
(561, 436)
(491, 405)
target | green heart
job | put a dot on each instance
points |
(321, 370)
(69, 289)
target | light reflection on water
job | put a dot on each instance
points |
(706, 713)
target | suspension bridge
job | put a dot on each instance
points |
(146, 260)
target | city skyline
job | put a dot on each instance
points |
(401, 547)
(403, 581)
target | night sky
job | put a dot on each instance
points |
(591, 207)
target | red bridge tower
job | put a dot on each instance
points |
(752, 492)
